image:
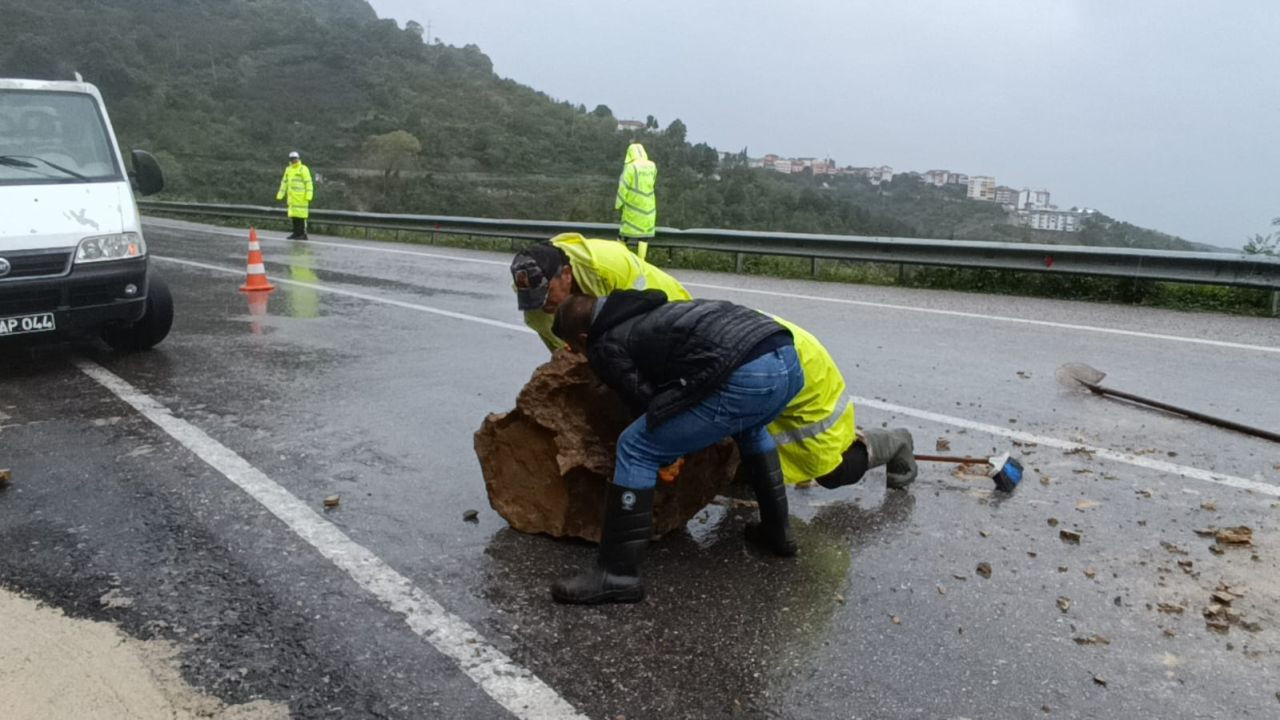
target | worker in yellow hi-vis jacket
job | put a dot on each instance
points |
(297, 187)
(637, 200)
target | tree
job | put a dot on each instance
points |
(651, 123)
(602, 111)
(390, 152)
(1268, 244)
(415, 27)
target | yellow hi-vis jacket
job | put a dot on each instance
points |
(636, 198)
(296, 184)
(817, 426)
(599, 268)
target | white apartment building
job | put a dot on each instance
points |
(982, 187)
(1029, 199)
(1059, 220)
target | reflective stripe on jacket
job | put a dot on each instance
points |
(817, 426)
(636, 197)
(599, 268)
(297, 186)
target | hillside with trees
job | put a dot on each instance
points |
(221, 90)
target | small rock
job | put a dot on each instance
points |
(1240, 535)
(895, 619)
(984, 533)
(1222, 598)
(984, 569)
(1099, 680)
(1209, 505)
(1090, 573)
(1216, 549)
(1064, 603)
(1092, 640)
(1144, 493)
(1069, 536)
(1063, 568)
(1083, 505)
(6, 477)
(942, 445)
(471, 515)
(1171, 608)
(332, 501)
(1053, 522)
(1186, 565)
(839, 598)
(942, 590)
(1045, 481)
(1218, 626)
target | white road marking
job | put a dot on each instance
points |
(1148, 463)
(996, 318)
(840, 301)
(362, 296)
(512, 686)
(1143, 462)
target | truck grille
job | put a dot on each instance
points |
(36, 264)
(29, 301)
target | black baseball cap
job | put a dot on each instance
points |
(532, 271)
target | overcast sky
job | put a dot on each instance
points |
(1163, 113)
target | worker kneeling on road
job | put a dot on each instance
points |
(546, 274)
(699, 371)
(815, 433)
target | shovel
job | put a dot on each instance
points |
(1079, 375)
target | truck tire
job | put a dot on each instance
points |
(152, 328)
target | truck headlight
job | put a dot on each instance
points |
(111, 247)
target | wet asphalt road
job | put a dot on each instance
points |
(883, 614)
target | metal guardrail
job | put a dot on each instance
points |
(1233, 269)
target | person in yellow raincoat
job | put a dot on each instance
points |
(637, 200)
(546, 274)
(297, 187)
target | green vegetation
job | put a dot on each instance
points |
(221, 90)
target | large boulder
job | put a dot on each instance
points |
(546, 462)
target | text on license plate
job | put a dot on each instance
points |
(41, 322)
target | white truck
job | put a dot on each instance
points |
(73, 261)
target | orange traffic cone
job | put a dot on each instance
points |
(257, 277)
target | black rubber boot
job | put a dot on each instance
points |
(615, 577)
(299, 229)
(764, 474)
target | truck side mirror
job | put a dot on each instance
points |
(147, 176)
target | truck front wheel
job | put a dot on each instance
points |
(152, 328)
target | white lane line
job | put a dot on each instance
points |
(241, 235)
(1143, 462)
(997, 318)
(362, 296)
(1183, 470)
(511, 685)
(844, 301)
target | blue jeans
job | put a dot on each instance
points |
(740, 408)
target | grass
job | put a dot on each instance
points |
(1147, 293)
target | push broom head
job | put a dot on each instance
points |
(1006, 472)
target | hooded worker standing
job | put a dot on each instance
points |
(296, 185)
(636, 199)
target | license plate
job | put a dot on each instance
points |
(40, 322)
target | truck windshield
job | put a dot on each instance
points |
(53, 137)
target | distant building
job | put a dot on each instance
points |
(633, 125)
(1029, 199)
(780, 165)
(938, 177)
(1006, 195)
(882, 174)
(982, 187)
(1058, 220)
(958, 179)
